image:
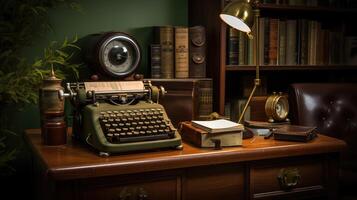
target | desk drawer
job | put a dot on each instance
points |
(222, 182)
(287, 177)
(132, 188)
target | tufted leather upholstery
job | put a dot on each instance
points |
(332, 108)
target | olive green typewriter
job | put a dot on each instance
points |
(122, 116)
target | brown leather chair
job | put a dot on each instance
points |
(332, 108)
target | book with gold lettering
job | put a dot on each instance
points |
(164, 35)
(181, 52)
(155, 60)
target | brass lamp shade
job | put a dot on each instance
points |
(239, 15)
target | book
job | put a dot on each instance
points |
(303, 42)
(295, 133)
(282, 42)
(181, 52)
(232, 47)
(266, 32)
(155, 60)
(197, 52)
(261, 38)
(164, 35)
(218, 126)
(273, 41)
(291, 46)
(242, 48)
(350, 49)
(205, 93)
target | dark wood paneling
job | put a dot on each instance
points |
(214, 182)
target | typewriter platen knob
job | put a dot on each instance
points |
(162, 91)
(62, 95)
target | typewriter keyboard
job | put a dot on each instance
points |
(134, 125)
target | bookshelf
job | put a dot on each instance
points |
(227, 78)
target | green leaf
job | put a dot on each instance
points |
(74, 46)
(61, 53)
(64, 44)
(38, 63)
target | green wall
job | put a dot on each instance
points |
(135, 17)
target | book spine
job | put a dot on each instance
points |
(232, 46)
(282, 42)
(242, 48)
(197, 52)
(261, 40)
(304, 42)
(155, 60)
(250, 52)
(205, 99)
(266, 40)
(291, 42)
(273, 41)
(181, 52)
(310, 43)
(164, 35)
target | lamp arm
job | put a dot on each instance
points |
(257, 79)
(248, 101)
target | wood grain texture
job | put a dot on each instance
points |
(75, 160)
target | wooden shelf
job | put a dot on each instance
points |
(290, 67)
(338, 18)
(331, 11)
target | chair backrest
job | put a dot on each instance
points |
(331, 107)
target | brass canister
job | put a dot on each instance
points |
(53, 125)
(49, 101)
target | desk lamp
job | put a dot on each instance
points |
(239, 15)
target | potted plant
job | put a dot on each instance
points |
(20, 23)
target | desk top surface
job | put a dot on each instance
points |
(75, 160)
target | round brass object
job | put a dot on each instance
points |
(277, 108)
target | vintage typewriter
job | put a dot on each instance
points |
(121, 116)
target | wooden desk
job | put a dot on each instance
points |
(73, 171)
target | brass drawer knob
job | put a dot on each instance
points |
(288, 178)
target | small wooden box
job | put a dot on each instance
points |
(201, 138)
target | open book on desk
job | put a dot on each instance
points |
(218, 126)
